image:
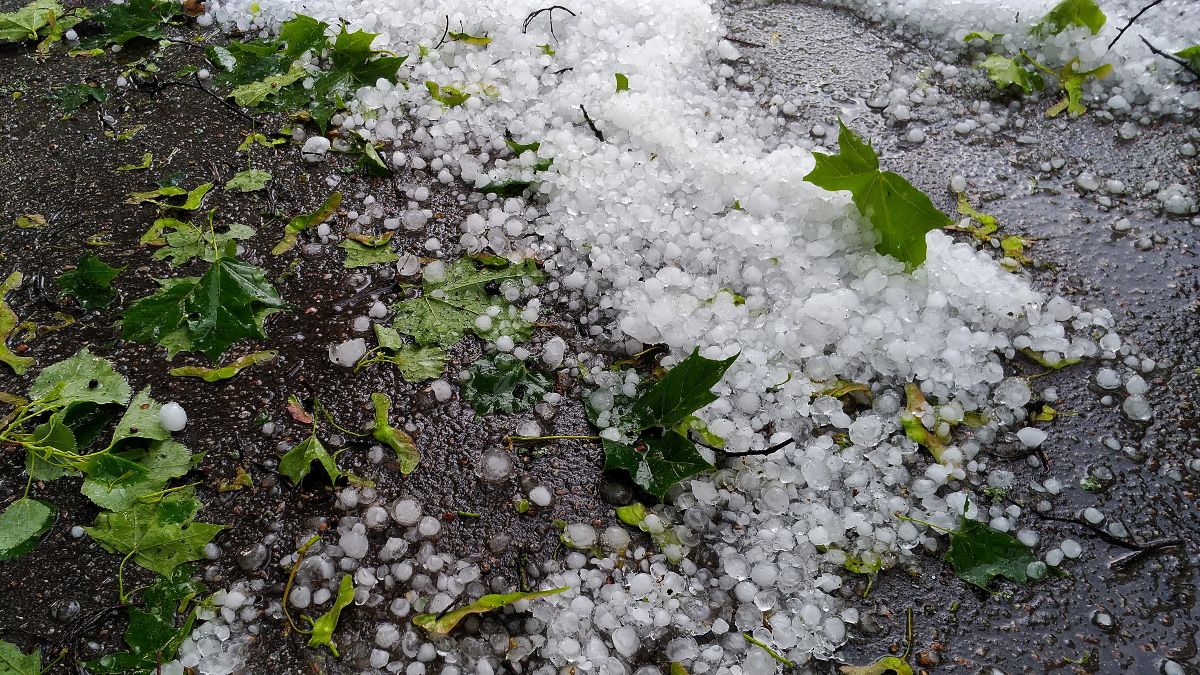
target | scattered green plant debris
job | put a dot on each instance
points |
(42, 20)
(677, 669)
(900, 213)
(655, 454)
(372, 163)
(152, 636)
(451, 302)
(504, 383)
(416, 364)
(304, 221)
(183, 242)
(446, 95)
(442, 624)
(270, 75)
(191, 202)
(260, 139)
(622, 82)
(1069, 14)
(240, 480)
(250, 180)
(365, 250)
(30, 221)
(910, 420)
(1013, 248)
(634, 515)
(881, 666)
(296, 463)
(8, 323)
(481, 41)
(12, 660)
(770, 652)
(23, 523)
(127, 135)
(90, 283)
(396, 439)
(147, 161)
(74, 96)
(1026, 73)
(133, 20)
(207, 314)
(987, 225)
(980, 553)
(324, 625)
(225, 372)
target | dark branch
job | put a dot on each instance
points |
(765, 451)
(1132, 20)
(1171, 57)
(445, 33)
(591, 124)
(190, 85)
(550, 10)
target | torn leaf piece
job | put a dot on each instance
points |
(8, 322)
(250, 180)
(504, 383)
(406, 451)
(900, 213)
(987, 224)
(1072, 83)
(1068, 14)
(364, 251)
(183, 242)
(323, 627)
(444, 623)
(302, 222)
(910, 420)
(147, 160)
(225, 372)
(297, 462)
(416, 364)
(90, 283)
(980, 553)
(881, 666)
(22, 525)
(191, 202)
(447, 96)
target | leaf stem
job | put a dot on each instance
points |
(922, 522)
(292, 578)
(770, 652)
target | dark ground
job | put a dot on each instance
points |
(64, 169)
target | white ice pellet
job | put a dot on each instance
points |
(172, 417)
(540, 496)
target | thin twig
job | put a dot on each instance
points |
(550, 9)
(1132, 20)
(1171, 57)
(445, 33)
(591, 124)
(765, 451)
(226, 104)
(747, 43)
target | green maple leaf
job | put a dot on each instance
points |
(159, 536)
(115, 483)
(183, 242)
(449, 305)
(657, 462)
(250, 180)
(415, 364)
(90, 283)
(229, 303)
(323, 627)
(900, 213)
(15, 662)
(685, 388)
(980, 553)
(22, 524)
(442, 624)
(1068, 13)
(133, 20)
(255, 93)
(396, 439)
(296, 463)
(152, 636)
(504, 383)
(1006, 72)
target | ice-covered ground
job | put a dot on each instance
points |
(641, 239)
